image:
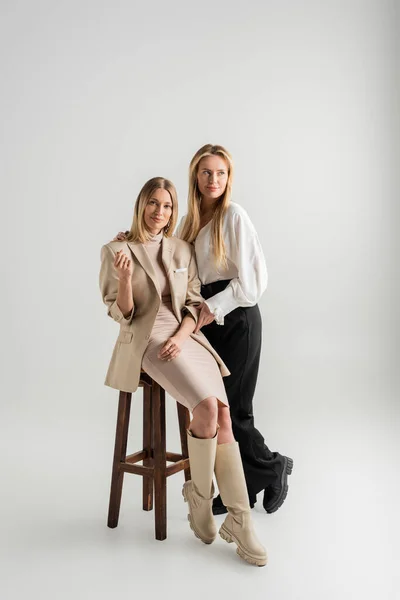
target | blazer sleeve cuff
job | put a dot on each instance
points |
(192, 311)
(116, 313)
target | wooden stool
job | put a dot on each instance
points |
(153, 455)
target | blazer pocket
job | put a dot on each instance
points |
(125, 337)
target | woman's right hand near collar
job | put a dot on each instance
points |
(123, 266)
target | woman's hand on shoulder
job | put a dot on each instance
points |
(121, 236)
(123, 266)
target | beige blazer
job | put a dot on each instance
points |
(180, 265)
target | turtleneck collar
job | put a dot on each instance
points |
(156, 239)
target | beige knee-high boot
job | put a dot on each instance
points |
(238, 526)
(198, 492)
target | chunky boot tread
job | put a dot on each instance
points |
(251, 561)
(205, 540)
(287, 470)
(229, 537)
(225, 536)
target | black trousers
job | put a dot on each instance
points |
(238, 342)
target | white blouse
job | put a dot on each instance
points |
(246, 264)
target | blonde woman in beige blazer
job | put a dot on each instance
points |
(150, 285)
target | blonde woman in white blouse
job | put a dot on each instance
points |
(232, 270)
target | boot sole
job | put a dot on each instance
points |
(286, 471)
(192, 526)
(229, 538)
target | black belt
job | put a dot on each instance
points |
(210, 289)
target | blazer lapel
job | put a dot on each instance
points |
(144, 259)
(168, 249)
(167, 252)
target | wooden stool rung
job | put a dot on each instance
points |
(134, 458)
(173, 457)
(137, 470)
(178, 466)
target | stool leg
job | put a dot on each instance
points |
(121, 440)
(147, 462)
(184, 422)
(160, 461)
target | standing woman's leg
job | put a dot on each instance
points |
(238, 342)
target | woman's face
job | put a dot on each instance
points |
(212, 177)
(158, 211)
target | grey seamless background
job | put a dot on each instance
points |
(97, 97)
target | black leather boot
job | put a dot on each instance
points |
(218, 507)
(275, 495)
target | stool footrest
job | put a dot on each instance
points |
(180, 465)
(144, 454)
(136, 457)
(173, 457)
(137, 470)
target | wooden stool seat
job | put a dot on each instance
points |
(154, 454)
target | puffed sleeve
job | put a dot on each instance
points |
(247, 288)
(109, 287)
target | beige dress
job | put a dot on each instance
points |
(193, 375)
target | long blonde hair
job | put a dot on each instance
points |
(191, 225)
(138, 231)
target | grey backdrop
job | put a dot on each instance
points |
(97, 97)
